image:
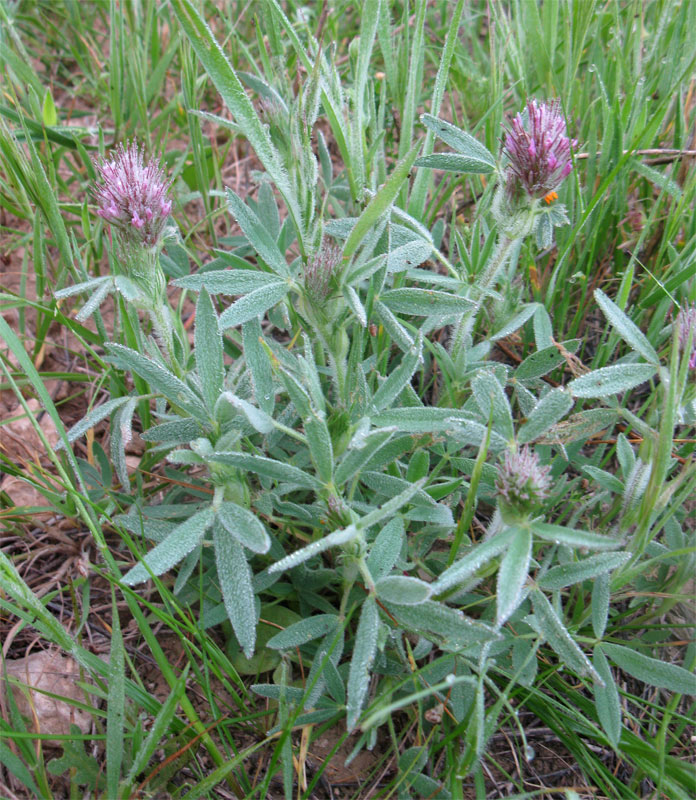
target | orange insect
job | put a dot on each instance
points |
(550, 197)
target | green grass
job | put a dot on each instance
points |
(78, 77)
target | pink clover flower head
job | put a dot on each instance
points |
(522, 483)
(537, 150)
(133, 195)
(686, 322)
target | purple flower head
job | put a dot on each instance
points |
(522, 483)
(686, 322)
(537, 150)
(133, 195)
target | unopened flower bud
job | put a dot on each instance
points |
(133, 196)
(686, 324)
(522, 484)
(319, 271)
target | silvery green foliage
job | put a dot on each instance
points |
(340, 451)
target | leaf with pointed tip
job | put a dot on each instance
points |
(254, 304)
(461, 141)
(402, 590)
(234, 575)
(512, 575)
(575, 572)
(626, 328)
(425, 302)
(180, 542)
(455, 162)
(481, 554)
(652, 671)
(547, 412)
(559, 638)
(208, 349)
(160, 379)
(246, 527)
(386, 548)
(304, 631)
(227, 281)
(303, 554)
(606, 381)
(607, 701)
(573, 538)
(364, 649)
(268, 467)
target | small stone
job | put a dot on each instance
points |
(47, 671)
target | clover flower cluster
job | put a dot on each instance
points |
(134, 195)
(686, 323)
(522, 483)
(537, 149)
(319, 270)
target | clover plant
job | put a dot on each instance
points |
(344, 420)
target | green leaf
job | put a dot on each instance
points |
(567, 574)
(160, 379)
(492, 402)
(364, 649)
(409, 255)
(357, 456)
(652, 671)
(399, 378)
(235, 582)
(257, 234)
(208, 349)
(246, 527)
(49, 114)
(268, 467)
(626, 329)
(320, 447)
(454, 162)
(386, 548)
(481, 554)
(607, 700)
(572, 538)
(604, 479)
(601, 598)
(253, 304)
(227, 281)
(393, 327)
(258, 419)
(425, 302)
(515, 323)
(560, 640)
(259, 364)
(461, 141)
(115, 708)
(93, 417)
(160, 726)
(425, 419)
(232, 92)
(540, 363)
(611, 380)
(381, 202)
(304, 631)
(402, 590)
(180, 542)
(547, 412)
(512, 575)
(390, 507)
(331, 540)
(452, 629)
